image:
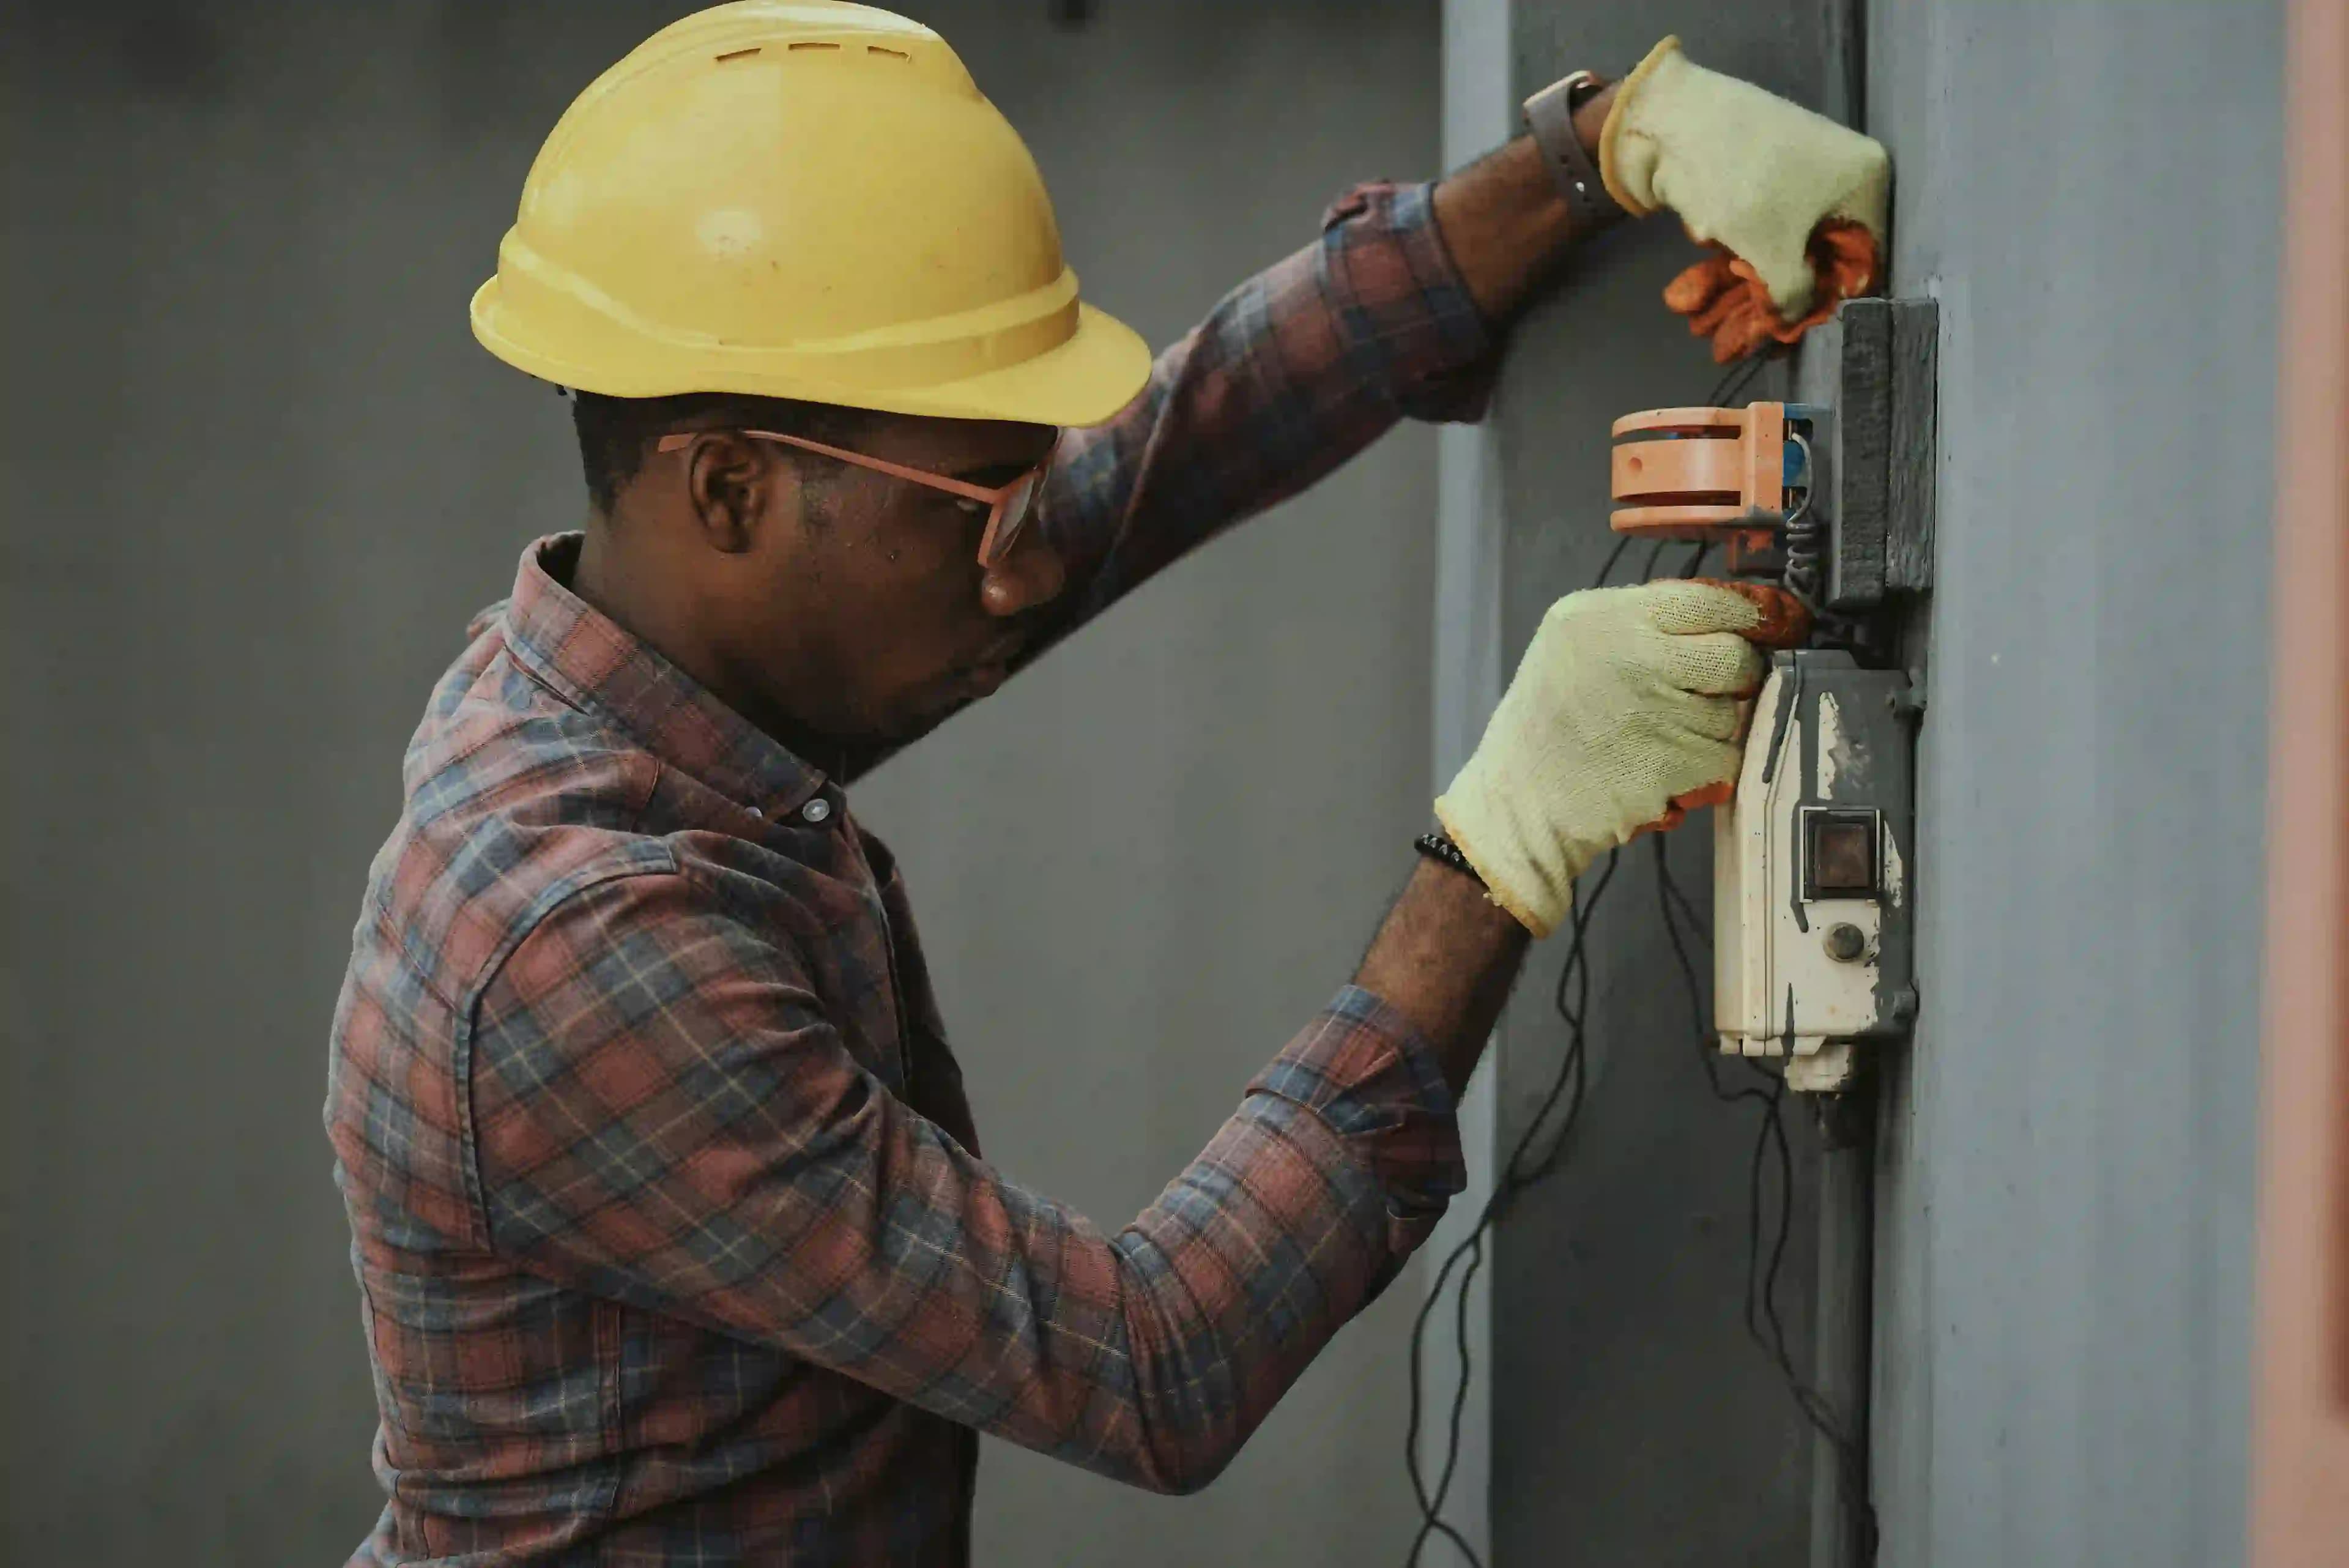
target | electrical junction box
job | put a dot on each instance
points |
(1830, 497)
(1813, 908)
(1871, 369)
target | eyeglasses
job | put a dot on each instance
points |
(1009, 506)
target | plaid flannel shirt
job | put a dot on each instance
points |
(673, 1238)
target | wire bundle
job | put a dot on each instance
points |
(1562, 1104)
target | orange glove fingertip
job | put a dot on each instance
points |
(1696, 285)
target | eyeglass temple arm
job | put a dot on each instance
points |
(678, 441)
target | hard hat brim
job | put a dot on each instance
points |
(1085, 380)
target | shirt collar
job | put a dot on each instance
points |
(586, 657)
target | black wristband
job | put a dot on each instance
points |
(1436, 846)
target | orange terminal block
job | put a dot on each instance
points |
(1719, 474)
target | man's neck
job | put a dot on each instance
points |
(629, 596)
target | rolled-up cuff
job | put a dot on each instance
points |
(1374, 1080)
(1386, 257)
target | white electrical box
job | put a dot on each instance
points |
(1812, 894)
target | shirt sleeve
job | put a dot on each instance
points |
(665, 1117)
(1294, 371)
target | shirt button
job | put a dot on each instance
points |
(817, 809)
(754, 811)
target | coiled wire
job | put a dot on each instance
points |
(1804, 538)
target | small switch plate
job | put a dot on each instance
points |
(1839, 849)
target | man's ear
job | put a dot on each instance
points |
(733, 486)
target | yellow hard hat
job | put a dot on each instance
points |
(801, 199)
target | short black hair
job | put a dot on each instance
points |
(616, 434)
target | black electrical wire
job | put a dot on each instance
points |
(1738, 377)
(1766, 1090)
(1564, 1099)
(1770, 1137)
(1566, 1088)
(1763, 1323)
(1613, 555)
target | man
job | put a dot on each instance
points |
(674, 1239)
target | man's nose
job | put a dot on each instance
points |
(1030, 575)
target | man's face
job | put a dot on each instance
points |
(867, 615)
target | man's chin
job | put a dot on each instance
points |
(935, 708)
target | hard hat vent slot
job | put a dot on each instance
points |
(738, 55)
(797, 47)
(892, 54)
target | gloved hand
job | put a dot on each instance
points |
(1623, 713)
(1724, 299)
(1795, 202)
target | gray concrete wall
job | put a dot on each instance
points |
(1633, 1419)
(2065, 1178)
(259, 474)
(2091, 188)
(1478, 116)
(1147, 862)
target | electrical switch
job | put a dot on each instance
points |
(1839, 853)
(1831, 497)
(1811, 899)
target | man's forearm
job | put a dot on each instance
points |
(1446, 958)
(1505, 222)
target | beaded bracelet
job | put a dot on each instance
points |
(1436, 846)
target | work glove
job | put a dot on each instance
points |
(1792, 203)
(1623, 713)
